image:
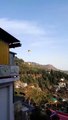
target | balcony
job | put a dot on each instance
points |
(7, 71)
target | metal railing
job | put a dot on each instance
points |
(9, 71)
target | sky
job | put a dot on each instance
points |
(41, 26)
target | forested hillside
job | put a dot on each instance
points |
(41, 81)
(31, 73)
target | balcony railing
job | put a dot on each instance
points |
(9, 71)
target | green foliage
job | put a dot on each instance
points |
(37, 96)
(33, 74)
(38, 77)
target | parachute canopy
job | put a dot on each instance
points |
(29, 50)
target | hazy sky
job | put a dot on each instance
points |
(41, 26)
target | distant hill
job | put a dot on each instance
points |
(31, 65)
(50, 67)
(65, 72)
(46, 67)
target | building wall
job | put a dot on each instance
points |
(11, 59)
(6, 102)
(11, 105)
(4, 53)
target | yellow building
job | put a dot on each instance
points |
(8, 74)
(6, 41)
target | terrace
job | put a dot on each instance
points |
(8, 71)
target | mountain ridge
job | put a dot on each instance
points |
(46, 67)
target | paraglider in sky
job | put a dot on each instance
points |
(29, 50)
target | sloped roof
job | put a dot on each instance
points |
(12, 52)
(8, 38)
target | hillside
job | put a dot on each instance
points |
(66, 72)
(42, 77)
(32, 72)
(45, 67)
